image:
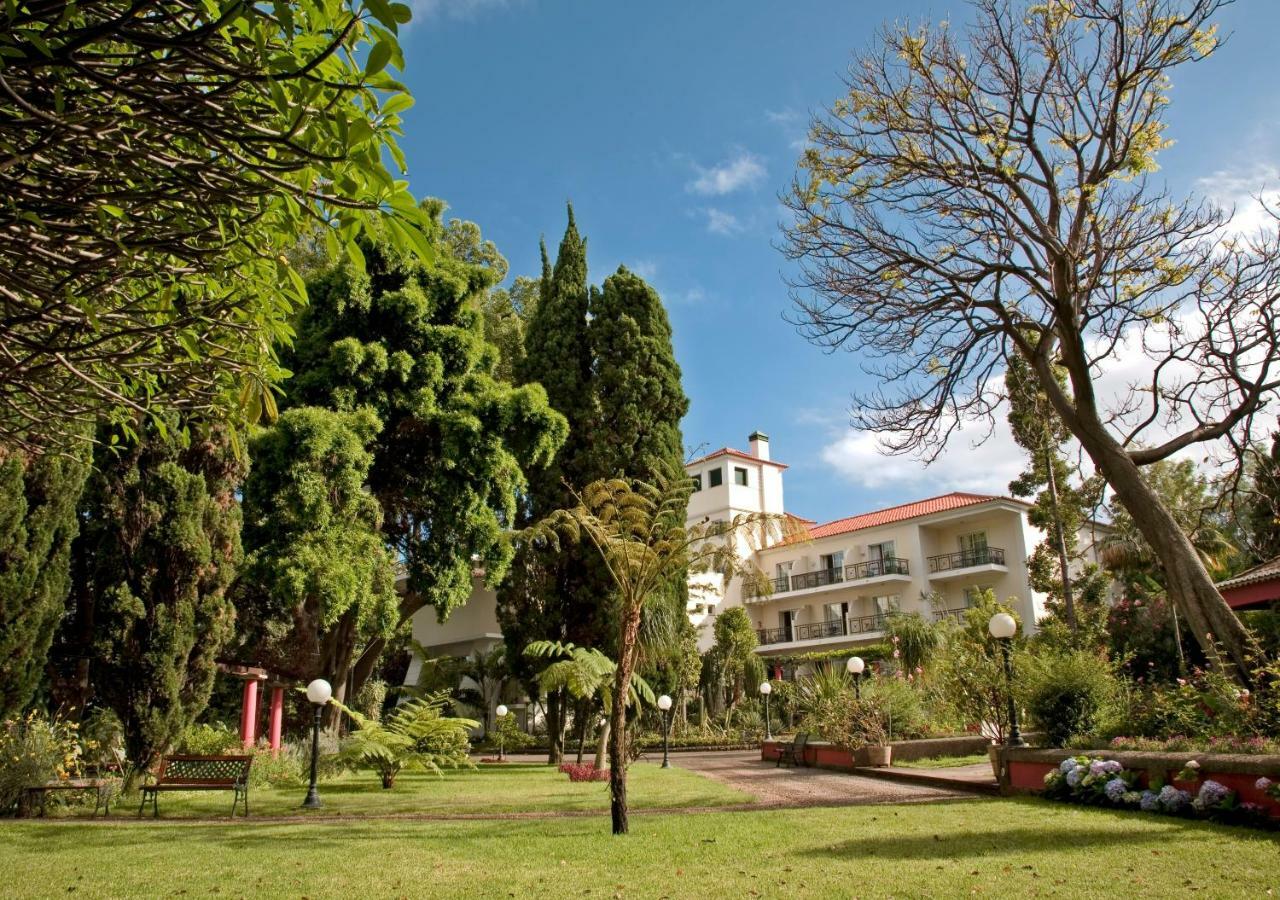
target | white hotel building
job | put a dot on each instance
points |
(832, 589)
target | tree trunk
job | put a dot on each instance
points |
(1214, 624)
(555, 733)
(1064, 560)
(584, 715)
(618, 720)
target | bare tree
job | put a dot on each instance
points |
(976, 198)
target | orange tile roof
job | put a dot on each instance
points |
(943, 503)
(729, 451)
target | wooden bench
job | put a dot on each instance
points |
(102, 790)
(199, 773)
(793, 752)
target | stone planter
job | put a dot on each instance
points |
(873, 756)
(993, 752)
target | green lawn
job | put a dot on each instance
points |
(1009, 848)
(942, 762)
(511, 787)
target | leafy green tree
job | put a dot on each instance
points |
(1260, 519)
(914, 639)
(736, 665)
(638, 529)
(449, 465)
(38, 498)
(980, 194)
(158, 548)
(605, 358)
(172, 153)
(318, 582)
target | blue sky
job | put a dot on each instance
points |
(673, 127)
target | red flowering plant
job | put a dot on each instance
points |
(584, 772)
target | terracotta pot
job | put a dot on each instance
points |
(873, 756)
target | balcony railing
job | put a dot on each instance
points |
(776, 586)
(980, 556)
(875, 568)
(941, 615)
(811, 631)
(819, 578)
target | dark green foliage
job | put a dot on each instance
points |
(735, 668)
(606, 361)
(637, 381)
(38, 498)
(158, 548)
(1065, 693)
(407, 342)
(1261, 514)
(318, 579)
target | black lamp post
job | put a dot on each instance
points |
(1003, 627)
(855, 665)
(664, 705)
(765, 690)
(318, 692)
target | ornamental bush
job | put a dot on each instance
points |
(1066, 693)
(35, 749)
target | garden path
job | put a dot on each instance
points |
(801, 786)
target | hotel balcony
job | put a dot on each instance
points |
(966, 562)
(889, 569)
(848, 627)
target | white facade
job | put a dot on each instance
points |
(833, 588)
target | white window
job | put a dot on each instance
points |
(715, 477)
(739, 476)
(833, 561)
(973, 542)
(888, 603)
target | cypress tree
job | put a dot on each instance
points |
(606, 361)
(38, 497)
(639, 400)
(158, 549)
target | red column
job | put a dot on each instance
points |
(277, 717)
(249, 713)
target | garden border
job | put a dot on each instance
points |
(1023, 770)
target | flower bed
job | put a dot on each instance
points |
(1224, 787)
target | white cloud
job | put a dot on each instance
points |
(645, 268)
(1247, 195)
(453, 9)
(721, 222)
(743, 170)
(782, 117)
(970, 463)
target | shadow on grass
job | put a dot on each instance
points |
(1044, 838)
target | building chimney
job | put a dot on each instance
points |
(759, 442)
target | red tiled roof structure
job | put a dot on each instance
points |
(943, 503)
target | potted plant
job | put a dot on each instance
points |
(871, 735)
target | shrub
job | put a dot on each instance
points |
(1066, 693)
(914, 639)
(208, 739)
(35, 749)
(415, 736)
(901, 704)
(584, 772)
(289, 768)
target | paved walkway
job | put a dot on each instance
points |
(801, 786)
